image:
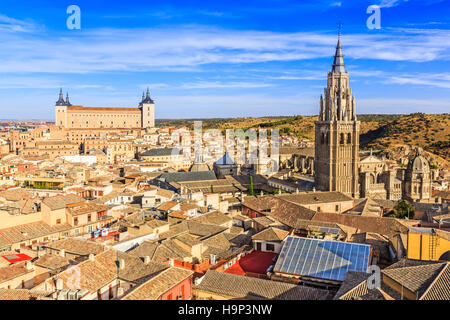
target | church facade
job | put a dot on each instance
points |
(337, 163)
(78, 117)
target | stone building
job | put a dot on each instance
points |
(73, 116)
(225, 166)
(378, 181)
(337, 133)
(337, 164)
(418, 178)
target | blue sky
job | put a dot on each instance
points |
(222, 59)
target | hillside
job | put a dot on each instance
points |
(388, 133)
(429, 131)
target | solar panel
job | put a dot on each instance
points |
(325, 259)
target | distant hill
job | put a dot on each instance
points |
(429, 131)
(378, 131)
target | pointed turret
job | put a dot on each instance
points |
(60, 101)
(147, 98)
(67, 100)
(338, 65)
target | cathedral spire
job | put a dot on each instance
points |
(338, 65)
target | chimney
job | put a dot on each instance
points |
(62, 253)
(121, 264)
(59, 284)
(120, 291)
(92, 257)
(242, 197)
(172, 262)
(146, 259)
(28, 265)
(279, 191)
(296, 191)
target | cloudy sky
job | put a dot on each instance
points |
(222, 59)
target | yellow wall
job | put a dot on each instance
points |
(407, 294)
(50, 216)
(419, 246)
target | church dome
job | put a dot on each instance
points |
(419, 163)
(197, 167)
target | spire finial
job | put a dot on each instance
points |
(338, 65)
(148, 92)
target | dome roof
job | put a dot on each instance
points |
(197, 167)
(418, 163)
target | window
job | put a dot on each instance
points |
(270, 247)
(58, 221)
(318, 209)
(349, 138)
(337, 208)
(182, 292)
(89, 218)
(111, 295)
(342, 140)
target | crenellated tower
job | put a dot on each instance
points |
(337, 133)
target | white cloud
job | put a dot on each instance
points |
(8, 24)
(440, 80)
(187, 47)
(216, 84)
(405, 106)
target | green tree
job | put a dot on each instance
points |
(403, 210)
(250, 189)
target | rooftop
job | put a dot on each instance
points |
(257, 289)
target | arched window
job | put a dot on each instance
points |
(349, 138)
(322, 138)
(342, 140)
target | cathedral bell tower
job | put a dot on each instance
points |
(337, 133)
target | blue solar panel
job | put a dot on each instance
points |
(325, 259)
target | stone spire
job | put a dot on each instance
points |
(338, 65)
(60, 101)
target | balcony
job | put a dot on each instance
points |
(103, 218)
